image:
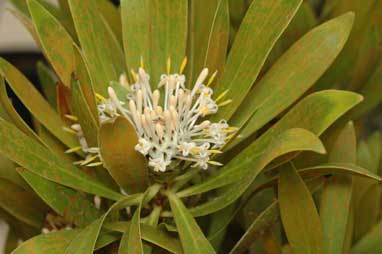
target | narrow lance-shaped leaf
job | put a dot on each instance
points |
(86, 239)
(30, 155)
(81, 110)
(59, 52)
(36, 104)
(292, 75)
(13, 115)
(262, 26)
(298, 213)
(82, 74)
(102, 52)
(304, 115)
(117, 141)
(22, 204)
(131, 241)
(53, 243)
(286, 142)
(208, 40)
(336, 197)
(192, 237)
(70, 204)
(154, 30)
(48, 83)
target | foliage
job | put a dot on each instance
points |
(275, 187)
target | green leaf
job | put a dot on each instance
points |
(103, 55)
(59, 52)
(298, 213)
(248, 162)
(268, 217)
(131, 242)
(70, 204)
(112, 16)
(192, 237)
(208, 37)
(371, 242)
(52, 243)
(22, 204)
(36, 104)
(154, 30)
(82, 74)
(81, 110)
(117, 142)
(150, 234)
(13, 115)
(48, 83)
(293, 74)
(336, 197)
(315, 113)
(85, 241)
(29, 154)
(262, 26)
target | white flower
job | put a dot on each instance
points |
(171, 128)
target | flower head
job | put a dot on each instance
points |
(169, 120)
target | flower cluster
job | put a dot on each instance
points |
(169, 120)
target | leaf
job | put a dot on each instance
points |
(208, 37)
(262, 26)
(52, 243)
(286, 142)
(21, 203)
(371, 242)
(70, 204)
(85, 241)
(131, 242)
(154, 30)
(82, 74)
(117, 142)
(81, 110)
(48, 83)
(35, 103)
(59, 52)
(336, 197)
(13, 115)
(29, 154)
(327, 106)
(192, 238)
(298, 213)
(103, 55)
(268, 217)
(311, 56)
(248, 162)
(150, 234)
(112, 16)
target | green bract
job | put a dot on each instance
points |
(83, 179)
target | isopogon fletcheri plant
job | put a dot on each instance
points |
(162, 127)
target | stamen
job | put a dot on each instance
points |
(95, 164)
(224, 103)
(215, 163)
(71, 117)
(221, 95)
(90, 159)
(142, 63)
(168, 66)
(74, 149)
(71, 131)
(212, 78)
(183, 65)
